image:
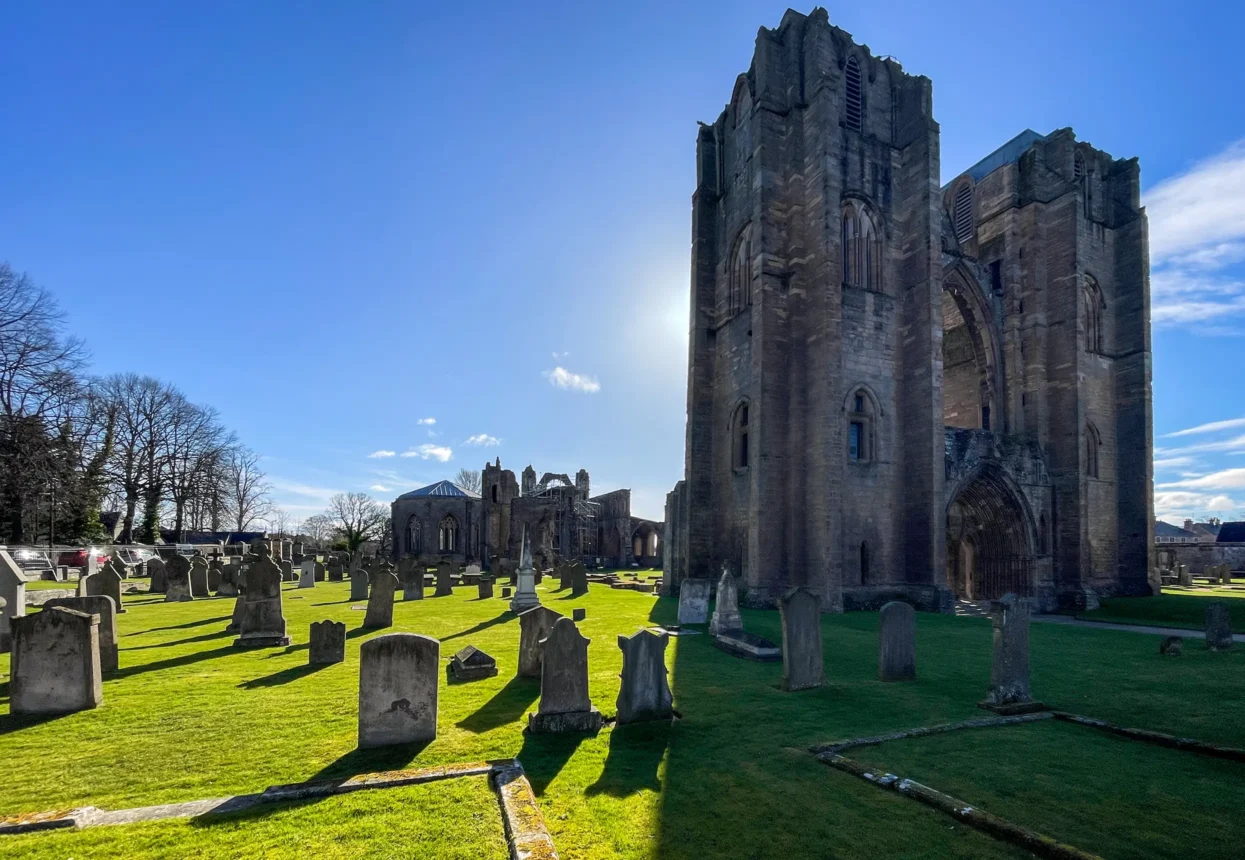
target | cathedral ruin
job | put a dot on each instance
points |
(897, 388)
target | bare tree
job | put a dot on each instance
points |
(358, 517)
(468, 479)
(319, 528)
(246, 488)
(194, 442)
(279, 522)
(143, 408)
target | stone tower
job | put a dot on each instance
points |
(825, 445)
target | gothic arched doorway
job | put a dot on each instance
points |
(990, 549)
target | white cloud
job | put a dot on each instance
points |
(378, 454)
(380, 488)
(1172, 462)
(430, 452)
(483, 439)
(426, 421)
(1175, 506)
(560, 377)
(559, 355)
(1236, 443)
(432, 434)
(1212, 427)
(1197, 230)
(1227, 479)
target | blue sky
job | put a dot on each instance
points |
(334, 221)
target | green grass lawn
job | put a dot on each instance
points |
(188, 717)
(1097, 791)
(41, 584)
(1186, 609)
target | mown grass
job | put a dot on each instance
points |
(188, 717)
(41, 584)
(1184, 609)
(1100, 792)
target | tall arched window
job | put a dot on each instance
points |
(1095, 311)
(1078, 166)
(864, 562)
(962, 212)
(741, 271)
(854, 95)
(861, 413)
(1093, 446)
(447, 534)
(861, 248)
(739, 437)
(413, 536)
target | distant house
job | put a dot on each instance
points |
(1206, 532)
(1231, 533)
(1168, 533)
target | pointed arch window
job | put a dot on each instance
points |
(413, 535)
(1095, 308)
(741, 272)
(1093, 448)
(962, 212)
(861, 417)
(740, 452)
(447, 534)
(854, 95)
(861, 248)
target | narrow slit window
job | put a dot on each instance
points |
(963, 213)
(855, 100)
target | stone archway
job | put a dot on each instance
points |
(990, 539)
(971, 383)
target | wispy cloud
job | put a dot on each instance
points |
(557, 356)
(1197, 232)
(1174, 506)
(379, 488)
(1212, 427)
(560, 377)
(1172, 462)
(1236, 443)
(430, 452)
(1226, 479)
(379, 454)
(426, 421)
(483, 439)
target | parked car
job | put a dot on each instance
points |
(32, 559)
(77, 557)
(133, 556)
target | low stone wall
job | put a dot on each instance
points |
(1198, 556)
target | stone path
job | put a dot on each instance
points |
(1150, 629)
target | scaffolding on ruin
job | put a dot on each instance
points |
(583, 534)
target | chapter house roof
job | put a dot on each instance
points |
(440, 488)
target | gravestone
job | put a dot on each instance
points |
(525, 597)
(317, 571)
(694, 601)
(398, 675)
(198, 577)
(106, 582)
(1009, 671)
(1225, 571)
(336, 571)
(328, 643)
(645, 691)
(229, 575)
(445, 579)
(579, 579)
(578, 614)
(1171, 646)
(235, 622)
(358, 584)
(177, 580)
(287, 571)
(261, 623)
(307, 574)
(897, 642)
(215, 575)
(534, 626)
(564, 703)
(103, 606)
(505, 592)
(563, 573)
(13, 593)
(413, 580)
(55, 665)
(470, 664)
(486, 587)
(1183, 576)
(380, 602)
(155, 569)
(802, 668)
(1218, 626)
(726, 617)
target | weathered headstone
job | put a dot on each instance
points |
(215, 575)
(579, 579)
(198, 577)
(564, 703)
(470, 664)
(1218, 626)
(287, 571)
(55, 665)
(1171, 646)
(525, 597)
(103, 606)
(486, 587)
(262, 623)
(398, 676)
(307, 573)
(156, 570)
(328, 643)
(317, 571)
(802, 668)
(897, 642)
(177, 580)
(726, 617)
(229, 576)
(336, 571)
(505, 592)
(534, 627)
(1184, 576)
(578, 614)
(358, 584)
(413, 580)
(380, 602)
(694, 601)
(13, 593)
(107, 582)
(1009, 671)
(645, 691)
(445, 579)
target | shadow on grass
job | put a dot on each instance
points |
(174, 662)
(284, 676)
(374, 760)
(16, 722)
(544, 756)
(506, 706)
(483, 625)
(203, 637)
(635, 755)
(198, 623)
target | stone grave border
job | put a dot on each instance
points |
(1031, 840)
(526, 834)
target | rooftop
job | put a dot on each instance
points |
(1005, 154)
(441, 488)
